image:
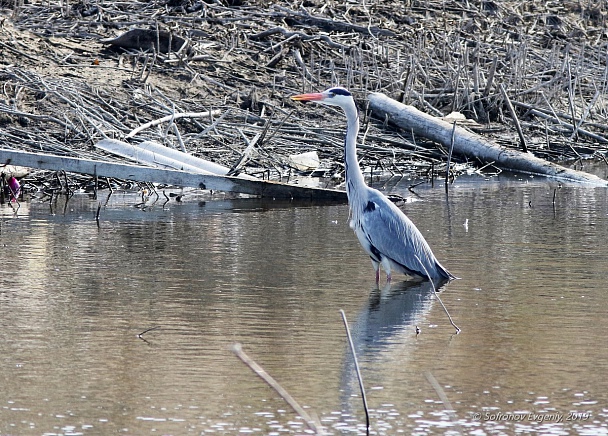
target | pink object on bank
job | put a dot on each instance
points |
(15, 188)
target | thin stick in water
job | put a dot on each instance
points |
(352, 349)
(97, 214)
(447, 169)
(141, 335)
(147, 330)
(313, 424)
(438, 298)
(444, 398)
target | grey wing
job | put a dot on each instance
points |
(395, 236)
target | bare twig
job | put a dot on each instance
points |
(522, 138)
(444, 399)
(298, 35)
(556, 118)
(141, 335)
(170, 118)
(97, 215)
(447, 165)
(312, 423)
(357, 370)
(437, 296)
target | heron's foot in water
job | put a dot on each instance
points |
(389, 277)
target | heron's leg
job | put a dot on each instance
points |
(376, 266)
(386, 264)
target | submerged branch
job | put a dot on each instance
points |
(357, 370)
(312, 423)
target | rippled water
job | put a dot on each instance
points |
(531, 357)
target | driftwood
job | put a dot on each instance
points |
(157, 155)
(142, 155)
(170, 177)
(470, 144)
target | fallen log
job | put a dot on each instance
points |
(472, 145)
(170, 177)
(143, 156)
(157, 155)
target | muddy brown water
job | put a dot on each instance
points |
(531, 302)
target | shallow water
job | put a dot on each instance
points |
(531, 357)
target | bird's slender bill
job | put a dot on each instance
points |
(314, 96)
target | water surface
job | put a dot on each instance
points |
(272, 276)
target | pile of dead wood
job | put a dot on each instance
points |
(76, 73)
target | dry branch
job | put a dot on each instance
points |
(520, 133)
(299, 36)
(558, 120)
(171, 117)
(305, 19)
(312, 422)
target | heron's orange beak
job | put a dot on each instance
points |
(314, 96)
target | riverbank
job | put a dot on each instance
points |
(65, 87)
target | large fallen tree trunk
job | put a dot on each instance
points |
(170, 177)
(471, 145)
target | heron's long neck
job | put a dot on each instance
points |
(354, 177)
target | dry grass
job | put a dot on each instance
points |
(63, 89)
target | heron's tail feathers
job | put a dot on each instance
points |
(444, 273)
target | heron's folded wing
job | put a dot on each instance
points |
(394, 235)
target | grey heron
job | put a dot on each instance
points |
(388, 236)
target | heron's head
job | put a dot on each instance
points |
(333, 97)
